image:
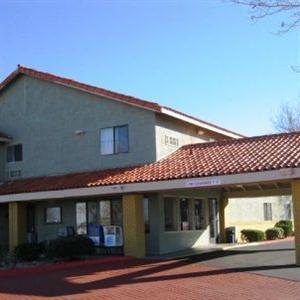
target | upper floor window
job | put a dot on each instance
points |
(114, 140)
(14, 153)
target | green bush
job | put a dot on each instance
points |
(274, 233)
(253, 235)
(28, 251)
(70, 247)
(287, 227)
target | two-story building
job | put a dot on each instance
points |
(73, 154)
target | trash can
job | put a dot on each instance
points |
(230, 235)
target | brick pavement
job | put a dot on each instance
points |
(144, 279)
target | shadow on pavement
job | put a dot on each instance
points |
(109, 275)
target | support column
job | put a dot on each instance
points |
(223, 203)
(296, 205)
(134, 225)
(17, 222)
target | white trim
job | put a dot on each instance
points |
(214, 182)
(199, 123)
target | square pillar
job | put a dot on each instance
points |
(223, 203)
(134, 225)
(296, 205)
(17, 223)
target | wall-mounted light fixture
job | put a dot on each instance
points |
(80, 132)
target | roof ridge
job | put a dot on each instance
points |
(240, 140)
(25, 70)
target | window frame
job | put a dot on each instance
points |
(60, 212)
(114, 139)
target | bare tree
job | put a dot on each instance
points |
(264, 8)
(287, 118)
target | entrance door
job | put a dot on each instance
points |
(214, 229)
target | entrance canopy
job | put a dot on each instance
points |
(247, 164)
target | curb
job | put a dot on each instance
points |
(64, 265)
(258, 243)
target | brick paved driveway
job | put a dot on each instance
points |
(144, 279)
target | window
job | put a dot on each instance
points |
(105, 212)
(14, 153)
(114, 140)
(199, 212)
(184, 214)
(116, 212)
(53, 215)
(92, 213)
(81, 217)
(268, 211)
(169, 211)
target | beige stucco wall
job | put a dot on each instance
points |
(185, 133)
(248, 213)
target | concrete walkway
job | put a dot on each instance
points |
(276, 259)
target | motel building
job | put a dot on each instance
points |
(74, 156)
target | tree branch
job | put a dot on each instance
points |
(265, 8)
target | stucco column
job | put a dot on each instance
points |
(296, 205)
(17, 222)
(223, 203)
(134, 225)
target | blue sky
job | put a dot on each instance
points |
(205, 58)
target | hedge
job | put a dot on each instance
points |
(287, 227)
(253, 235)
(70, 247)
(29, 252)
(274, 233)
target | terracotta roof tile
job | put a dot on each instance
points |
(100, 91)
(254, 154)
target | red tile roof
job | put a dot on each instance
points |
(100, 91)
(262, 153)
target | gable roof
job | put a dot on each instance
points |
(228, 157)
(118, 97)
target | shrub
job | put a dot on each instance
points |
(253, 235)
(274, 233)
(287, 227)
(70, 247)
(28, 251)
